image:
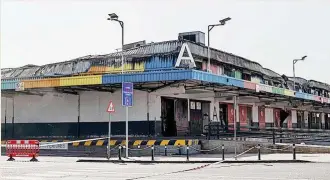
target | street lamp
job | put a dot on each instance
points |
(209, 28)
(294, 74)
(114, 17)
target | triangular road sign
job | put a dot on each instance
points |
(111, 107)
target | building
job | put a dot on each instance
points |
(174, 94)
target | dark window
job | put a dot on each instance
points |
(247, 77)
(190, 37)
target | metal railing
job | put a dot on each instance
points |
(269, 134)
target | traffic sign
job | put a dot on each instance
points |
(127, 94)
(111, 107)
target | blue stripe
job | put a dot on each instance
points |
(8, 84)
(148, 76)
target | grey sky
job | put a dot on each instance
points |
(269, 32)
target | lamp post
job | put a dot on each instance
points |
(294, 73)
(209, 28)
(114, 17)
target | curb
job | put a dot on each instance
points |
(193, 162)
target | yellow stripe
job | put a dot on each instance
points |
(151, 142)
(113, 142)
(180, 142)
(43, 140)
(54, 141)
(137, 142)
(99, 142)
(88, 143)
(3, 142)
(164, 142)
(75, 144)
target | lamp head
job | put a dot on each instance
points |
(303, 58)
(113, 17)
(223, 21)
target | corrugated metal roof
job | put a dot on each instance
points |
(82, 64)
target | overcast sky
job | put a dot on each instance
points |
(269, 32)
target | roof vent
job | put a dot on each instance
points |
(194, 36)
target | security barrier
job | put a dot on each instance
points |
(22, 148)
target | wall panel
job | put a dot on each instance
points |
(81, 80)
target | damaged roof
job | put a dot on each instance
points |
(82, 64)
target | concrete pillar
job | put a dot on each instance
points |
(305, 120)
(294, 118)
(255, 116)
(269, 117)
(322, 120)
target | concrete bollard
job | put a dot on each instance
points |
(259, 152)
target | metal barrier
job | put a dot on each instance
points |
(270, 134)
(22, 148)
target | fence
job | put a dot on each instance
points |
(270, 134)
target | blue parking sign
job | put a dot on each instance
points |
(127, 94)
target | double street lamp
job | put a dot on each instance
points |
(294, 73)
(209, 28)
(114, 17)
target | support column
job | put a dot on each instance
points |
(269, 117)
(294, 118)
(255, 116)
(306, 120)
(322, 120)
(235, 123)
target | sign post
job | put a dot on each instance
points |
(111, 109)
(127, 101)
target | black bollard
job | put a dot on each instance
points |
(180, 150)
(139, 154)
(187, 153)
(294, 151)
(152, 153)
(259, 152)
(119, 152)
(223, 152)
(165, 150)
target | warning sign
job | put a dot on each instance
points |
(111, 107)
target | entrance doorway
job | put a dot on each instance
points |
(167, 117)
(327, 121)
(223, 114)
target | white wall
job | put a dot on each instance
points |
(47, 108)
(93, 106)
(6, 105)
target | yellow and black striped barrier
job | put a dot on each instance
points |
(172, 142)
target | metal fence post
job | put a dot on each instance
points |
(165, 150)
(139, 153)
(187, 153)
(273, 136)
(119, 152)
(223, 152)
(179, 149)
(259, 152)
(294, 151)
(152, 153)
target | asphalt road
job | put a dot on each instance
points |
(52, 168)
